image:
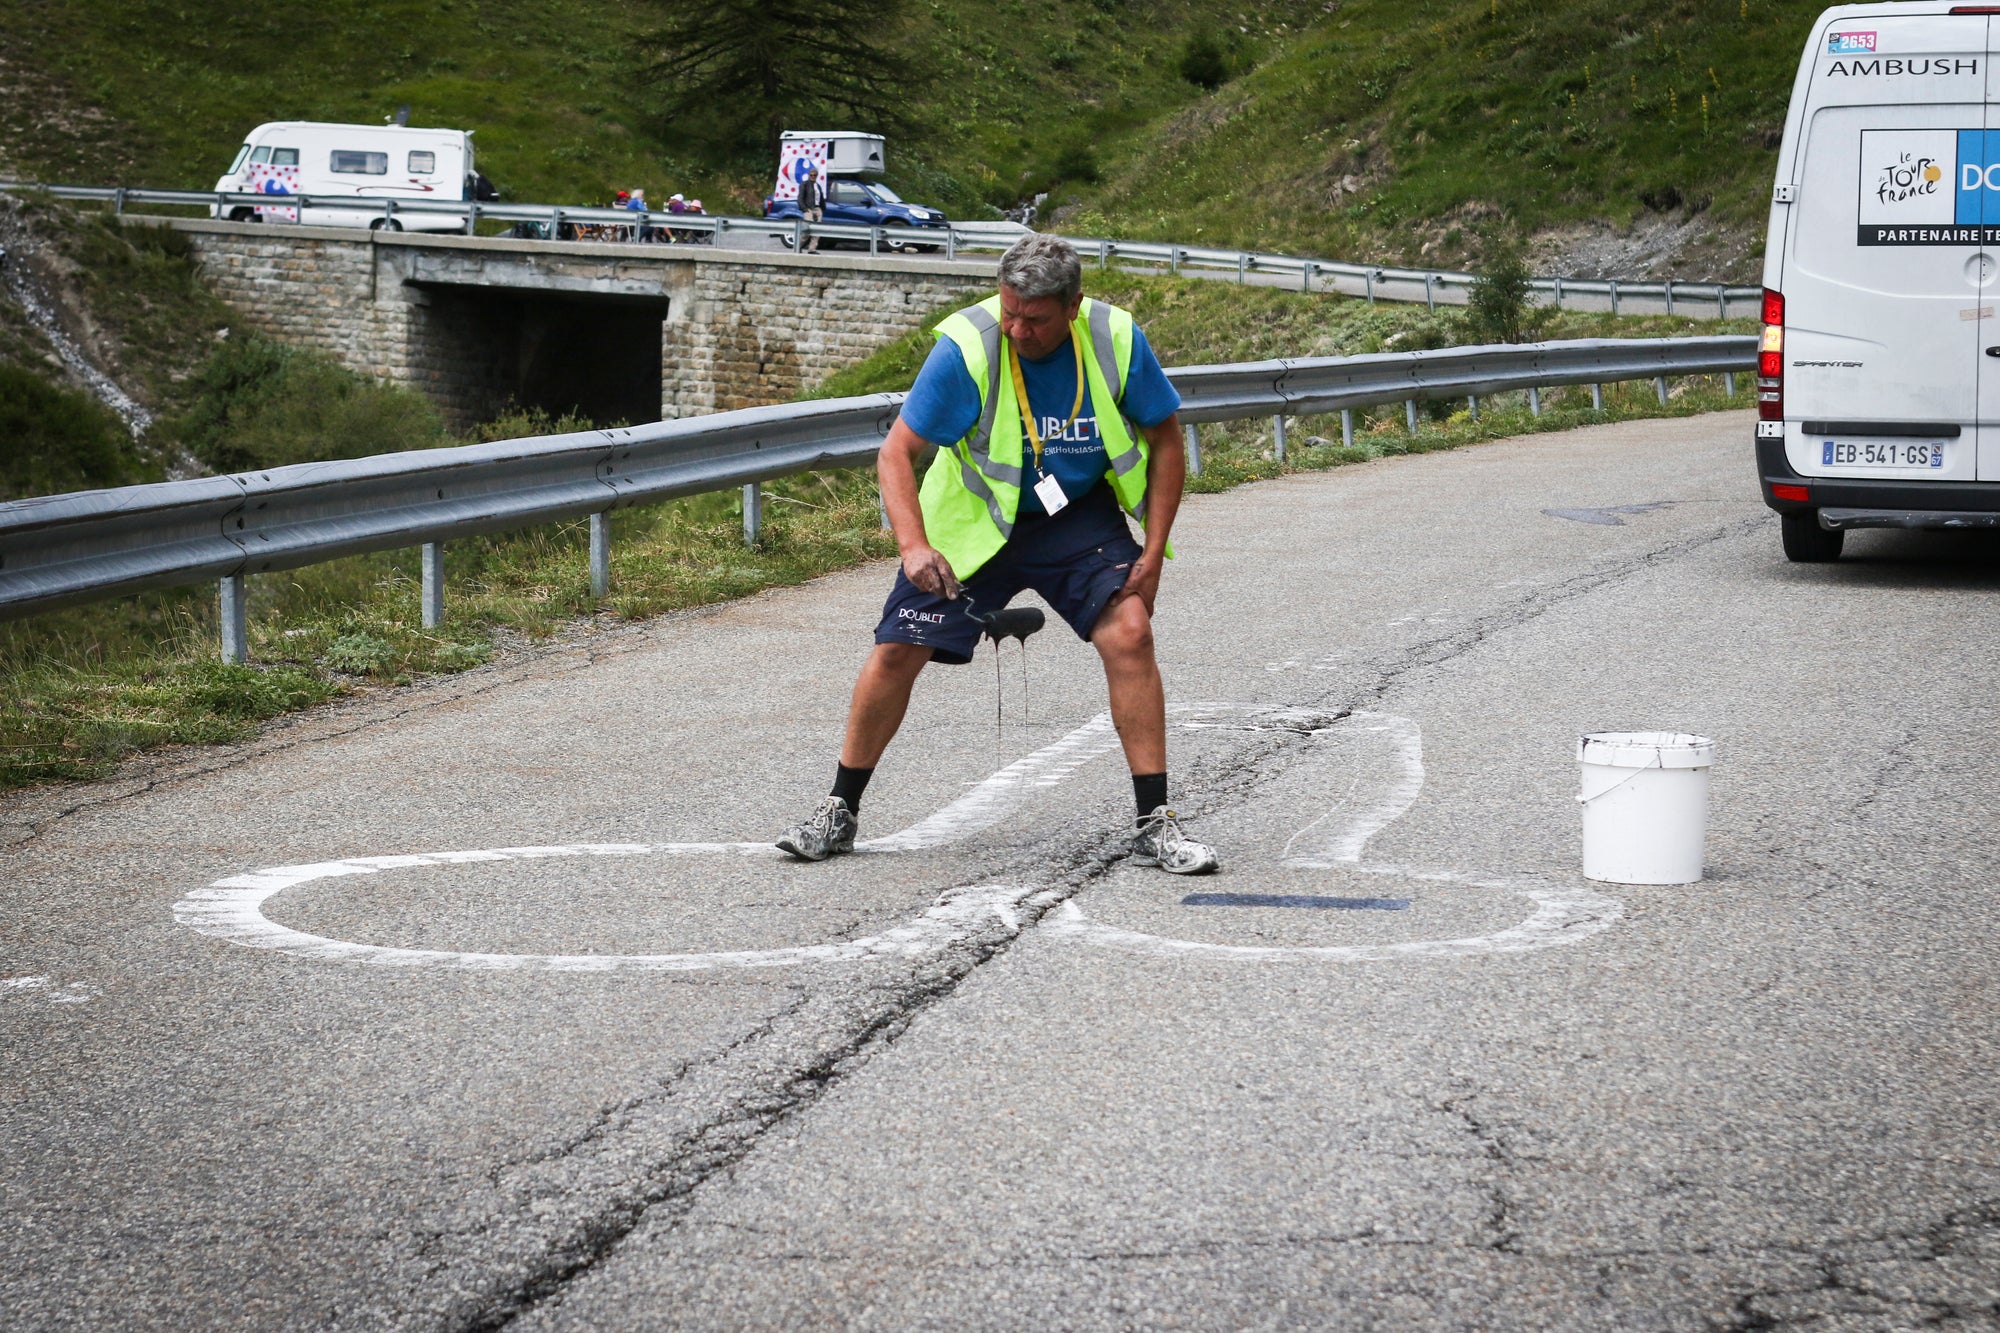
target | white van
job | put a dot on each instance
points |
(1879, 376)
(373, 162)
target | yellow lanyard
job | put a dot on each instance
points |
(1021, 395)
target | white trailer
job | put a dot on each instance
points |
(362, 162)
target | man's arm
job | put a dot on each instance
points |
(896, 468)
(1166, 475)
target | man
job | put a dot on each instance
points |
(812, 198)
(1027, 396)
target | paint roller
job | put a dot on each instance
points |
(1016, 622)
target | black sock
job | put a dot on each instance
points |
(849, 783)
(1150, 790)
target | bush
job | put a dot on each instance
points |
(1202, 62)
(1078, 163)
(1498, 309)
(359, 654)
(54, 439)
(259, 405)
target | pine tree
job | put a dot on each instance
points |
(739, 72)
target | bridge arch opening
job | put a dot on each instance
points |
(591, 355)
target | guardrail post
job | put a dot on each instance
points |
(1597, 397)
(1370, 277)
(753, 514)
(1278, 434)
(1721, 301)
(1193, 449)
(1670, 295)
(1430, 296)
(874, 239)
(1614, 296)
(118, 203)
(555, 223)
(1347, 428)
(721, 225)
(798, 236)
(1559, 292)
(1103, 256)
(1472, 406)
(1174, 260)
(1534, 401)
(882, 507)
(951, 252)
(235, 620)
(433, 584)
(1410, 413)
(1660, 384)
(1242, 267)
(600, 554)
(1728, 384)
(472, 218)
(1306, 275)
(388, 214)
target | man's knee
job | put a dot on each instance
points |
(901, 660)
(1125, 631)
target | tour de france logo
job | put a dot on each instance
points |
(1910, 176)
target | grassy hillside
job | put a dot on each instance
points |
(1392, 129)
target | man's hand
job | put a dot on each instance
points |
(926, 567)
(1143, 582)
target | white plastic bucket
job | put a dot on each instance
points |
(1645, 805)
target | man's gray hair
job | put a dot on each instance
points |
(1040, 265)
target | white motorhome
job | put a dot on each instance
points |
(1879, 373)
(329, 162)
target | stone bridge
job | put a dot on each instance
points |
(615, 332)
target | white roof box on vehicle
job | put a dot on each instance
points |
(847, 152)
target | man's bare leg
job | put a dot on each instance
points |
(1123, 637)
(881, 697)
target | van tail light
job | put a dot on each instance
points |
(1771, 360)
(1783, 491)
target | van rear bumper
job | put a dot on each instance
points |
(1884, 503)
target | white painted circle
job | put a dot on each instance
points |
(232, 909)
(1562, 915)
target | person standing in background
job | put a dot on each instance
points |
(812, 198)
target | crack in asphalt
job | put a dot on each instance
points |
(1499, 1219)
(578, 1205)
(1840, 1292)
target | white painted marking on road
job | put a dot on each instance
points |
(44, 988)
(233, 908)
(1562, 915)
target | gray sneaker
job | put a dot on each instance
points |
(830, 830)
(1160, 842)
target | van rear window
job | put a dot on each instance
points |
(422, 163)
(359, 164)
(284, 157)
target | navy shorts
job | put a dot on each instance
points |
(1075, 564)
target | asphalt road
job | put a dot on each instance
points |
(988, 1076)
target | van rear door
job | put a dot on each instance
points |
(1885, 283)
(1987, 177)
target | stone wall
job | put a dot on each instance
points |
(445, 313)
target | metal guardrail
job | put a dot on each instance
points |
(1434, 287)
(63, 549)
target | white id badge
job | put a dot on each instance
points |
(1051, 493)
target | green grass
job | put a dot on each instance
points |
(81, 690)
(1412, 130)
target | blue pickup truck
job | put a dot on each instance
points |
(868, 204)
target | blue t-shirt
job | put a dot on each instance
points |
(944, 404)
